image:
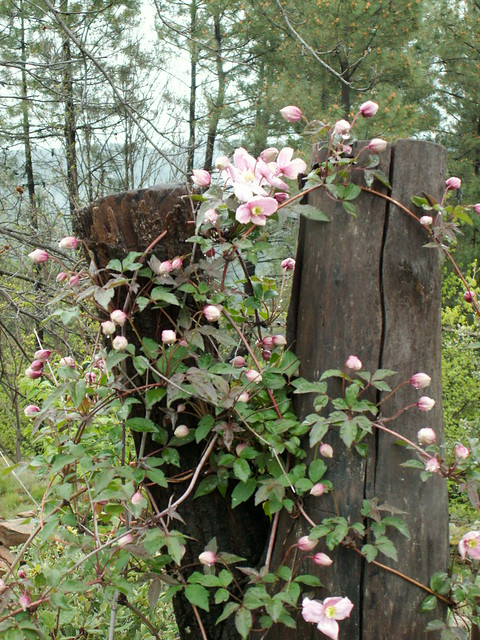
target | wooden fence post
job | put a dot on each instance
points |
(368, 287)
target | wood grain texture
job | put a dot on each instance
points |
(366, 286)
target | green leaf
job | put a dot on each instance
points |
(398, 523)
(243, 491)
(141, 424)
(198, 596)
(381, 177)
(316, 470)
(230, 608)
(351, 191)
(440, 583)
(348, 432)
(429, 604)
(370, 552)
(350, 208)
(114, 265)
(386, 546)
(243, 622)
(103, 296)
(304, 386)
(273, 380)
(152, 396)
(157, 476)
(163, 295)
(241, 469)
(206, 486)
(311, 213)
(204, 427)
(310, 581)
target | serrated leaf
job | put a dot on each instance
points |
(241, 469)
(398, 523)
(370, 552)
(154, 591)
(206, 486)
(204, 427)
(351, 191)
(386, 546)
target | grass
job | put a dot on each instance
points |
(14, 498)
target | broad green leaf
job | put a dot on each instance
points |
(161, 294)
(206, 486)
(311, 213)
(243, 491)
(241, 469)
(204, 427)
(428, 604)
(230, 608)
(243, 622)
(198, 596)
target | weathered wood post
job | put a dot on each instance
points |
(368, 287)
(112, 227)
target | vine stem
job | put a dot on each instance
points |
(199, 621)
(257, 364)
(193, 481)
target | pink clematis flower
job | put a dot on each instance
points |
(470, 544)
(288, 264)
(325, 614)
(256, 211)
(288, 167)
(353, 363)
(453, 183)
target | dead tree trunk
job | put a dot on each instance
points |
(368, 287)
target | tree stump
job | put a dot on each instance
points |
(112, 227)
(368, 287)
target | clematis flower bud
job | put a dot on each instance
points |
(243, 397)
(177, 263)
(90, 377)
(269, 154)
(317, 490)
(125, 540)
(61, 277)
(288, 264)
(212, 313)
(368, 109)
(461, 452)
(31, 410)
(426, 436)
(21, 574)
(210, 216)
(425, 404)
(207, 558)
(118, 317)
(426, 221)
(476, 208)
(39, 255)
(281, 196)
(238, 362)
(306, 544)
(341, 128)
(120, 343)
(222, 163)
(181, 431)
(253, 376)
(266, 355)
(377, 145)
(3, 586)
(108, 328)
(32, 374)
(420, 380)
(326, 450)
(267, 342)
(201, 177)
(69, 242)
(37, 365)
(291, 113)
(74, 280)
(136, 498)
(469, 296)
(42, 354)
(168, 336)
(165, 267)
(453, 183)
(68, 361)
(353, 363)
(432, 465)
(322, 560)
(24, 601)
(279, 341)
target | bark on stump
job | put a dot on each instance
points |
(112, 227)
(368, 287)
